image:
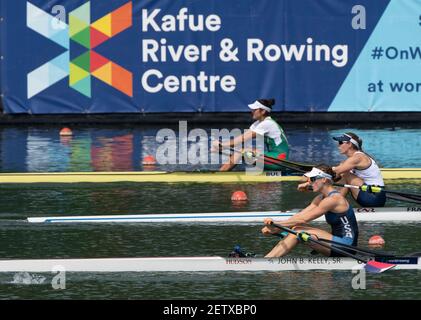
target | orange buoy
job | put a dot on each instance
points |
(376, 240)
(149, 160)
(239, 196)
(66, 132)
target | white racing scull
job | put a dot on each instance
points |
(197, 264)
(398, 214)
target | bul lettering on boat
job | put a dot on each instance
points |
(273, 173)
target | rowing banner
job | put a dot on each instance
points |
(143, 56)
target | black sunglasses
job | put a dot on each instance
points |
(312, 179)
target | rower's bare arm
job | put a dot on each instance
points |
(347, 165)
(302, 217)
(314, 212)
(233, 142)
(240, 139)
(299, 217)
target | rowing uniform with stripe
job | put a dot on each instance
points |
(276, 142)
(344, 226)
(371, 176)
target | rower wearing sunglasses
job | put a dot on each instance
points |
(359, 169)
(338, 213)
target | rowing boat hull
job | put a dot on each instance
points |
(378, 215)
(176, 177)
(192, 264)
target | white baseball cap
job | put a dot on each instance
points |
(257, 105)
(317, 173)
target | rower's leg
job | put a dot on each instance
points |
(283, 247)
(317, 234)
(233, 161)
(352, 179)
(286, 245)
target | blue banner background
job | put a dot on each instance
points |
(296, 85)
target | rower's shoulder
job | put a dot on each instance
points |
(335, 198)
(332, 201)
(361, 155)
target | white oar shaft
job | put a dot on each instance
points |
(351, 186)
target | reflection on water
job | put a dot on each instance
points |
(110, 149)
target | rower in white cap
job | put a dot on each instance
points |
(275, 140)
(338, 213)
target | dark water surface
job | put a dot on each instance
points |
(22, 240)
(109, 149)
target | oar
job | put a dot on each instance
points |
(300, 167)
(366, 252)
(295, 166)
(369, 265)
(397, 195)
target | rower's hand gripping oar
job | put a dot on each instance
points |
(369, 265)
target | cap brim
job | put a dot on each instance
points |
(253, 106)
(341, 138)
(310, 174)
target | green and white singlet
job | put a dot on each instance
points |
(276, 142)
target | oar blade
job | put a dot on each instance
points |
(412, 198)
(378, 267)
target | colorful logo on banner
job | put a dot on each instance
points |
(89, 35)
